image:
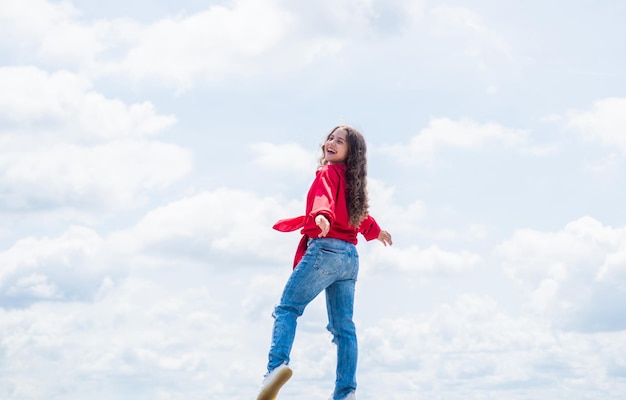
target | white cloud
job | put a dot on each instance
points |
(400, 220)
(102, 177)
(69, 267)
(36, 286)
(210, 45)
(576, 277)
(64, 103)
(136, 330)
(52, 32)
(407, 222)
(426, 261)
(444, 132)
(262, 293)
(65, 144)
(605, 122)
(241, 39)
(222, 224)
(211, 229)
(18, 16)
(475, 346)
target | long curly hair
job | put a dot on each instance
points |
(356, 173)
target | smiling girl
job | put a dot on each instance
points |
(326, 260)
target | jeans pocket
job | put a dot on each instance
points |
(329, 261)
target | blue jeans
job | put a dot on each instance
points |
(331, 265)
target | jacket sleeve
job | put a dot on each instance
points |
(324, 195)
(369, 228)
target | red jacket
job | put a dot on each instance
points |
(327, 196)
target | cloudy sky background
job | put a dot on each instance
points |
(146, 148)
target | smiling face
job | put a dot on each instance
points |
(336, 146)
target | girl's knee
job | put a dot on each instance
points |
(285, 310)
(344, 330)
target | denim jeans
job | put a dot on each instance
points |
(331, 265)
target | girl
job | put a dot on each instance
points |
(326, 259)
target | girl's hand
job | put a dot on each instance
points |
(385, 238)
(323, 224)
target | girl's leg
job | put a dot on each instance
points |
(311, 276)
(340, 306)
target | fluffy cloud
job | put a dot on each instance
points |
(413, 259)
(52, 32)
(576, 277)
(401, 220)
(218, 42)
(65, 105)
(212, 225)
(249, 38)
(474, 345)
(68, 268)
(210, 45)
(210, 229)
(605, 122)
(444, 132)
(64, 144)
(131, 332)
(103, 177)
(240, 39)
(409, 222)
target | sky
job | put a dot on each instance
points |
(147, 148)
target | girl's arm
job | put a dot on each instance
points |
(370, 230)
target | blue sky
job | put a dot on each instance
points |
(146, 148)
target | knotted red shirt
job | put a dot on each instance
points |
(327, 196)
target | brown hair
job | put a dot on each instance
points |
(356, 174)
